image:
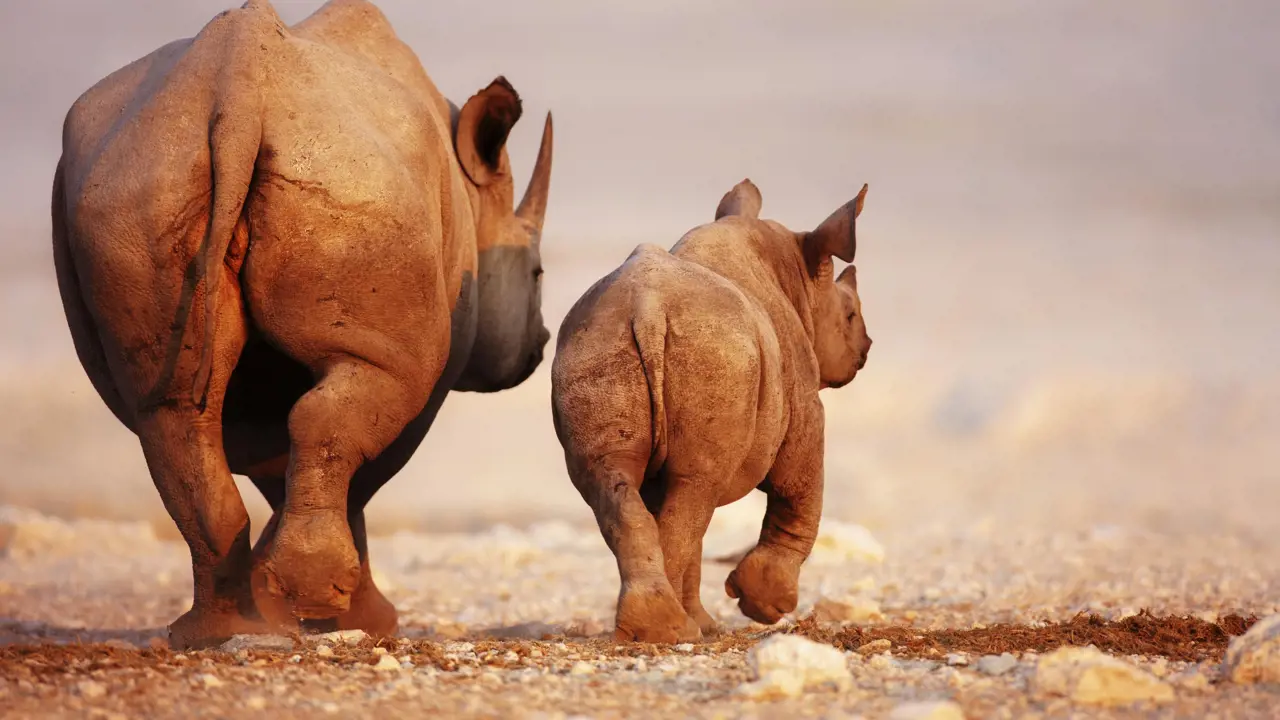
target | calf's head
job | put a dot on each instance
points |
(840, 339)
(510, 333)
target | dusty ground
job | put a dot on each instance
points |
(513, 623)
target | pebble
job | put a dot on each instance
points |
(1254, 657)
(1089, 676)
(581, 668)
(843, 542)
(339, 637)
(847, 610)
(995, 665)
(931, 710)
(957, 659)
(684, 647)
(324, 651)
(387, 663)
(239, 643)
(787, 665)
(875, 646)
(209, 681)
(91, 689)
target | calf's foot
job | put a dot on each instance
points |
(766, 583)
(650, 612)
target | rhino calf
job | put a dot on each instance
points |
(683, 380)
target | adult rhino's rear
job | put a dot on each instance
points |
(278, 249)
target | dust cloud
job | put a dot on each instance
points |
(1069, 259)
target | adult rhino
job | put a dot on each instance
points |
(278, 249)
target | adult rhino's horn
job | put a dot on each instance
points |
(533, 207)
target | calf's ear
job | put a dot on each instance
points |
(836, 236)
(744, 199)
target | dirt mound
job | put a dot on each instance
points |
(1176, 638)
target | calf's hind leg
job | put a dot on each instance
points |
(766, 581)
(648, 608)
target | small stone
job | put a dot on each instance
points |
(209, 681)
(995, 665)
(1089, 676)
(846, 610)
(340, 637)
(324, 651)
(295, 659)
(255, 702)
(875, 646)
(933, 710)
(379, 651)
(581, 668)
(1191, 681)
(387, 663)
(1254, 657)
(91, 689)
(841, 542)
(238, 643)
(640, 665)
(684, 647)
(957, 659)
(787, 665)
(584, 628)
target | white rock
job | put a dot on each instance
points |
(841, 542)
(935, 710)
(238, 643)
(787, 665)
(1091, 677)
(684, 647)
(847, 610)
(997, 664)
(209, 681)
(954, 659)
(875, 646)
(27, 534)
(387, 663)
(91, 689)
(1254, 657)
(339, 637)
(324, 650)
(581, 668)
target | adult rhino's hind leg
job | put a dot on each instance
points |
(183, 446)
(311, 567)
(370, 610)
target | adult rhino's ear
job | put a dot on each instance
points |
(744, 199)
(836, 236)
(484, 123)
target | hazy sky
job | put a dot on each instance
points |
(1092, 182)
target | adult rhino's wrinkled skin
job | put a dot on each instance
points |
(685, 379)
(278, 249)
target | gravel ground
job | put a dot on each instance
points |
(514, 623)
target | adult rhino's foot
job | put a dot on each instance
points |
(649, 612)
(202, 627)
(308, 570)
(370, 611)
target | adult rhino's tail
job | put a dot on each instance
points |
(235, 135)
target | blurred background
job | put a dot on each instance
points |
(1069, 257)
